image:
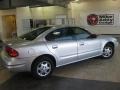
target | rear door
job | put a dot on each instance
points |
(62, 44)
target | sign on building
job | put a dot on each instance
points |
(101, 19)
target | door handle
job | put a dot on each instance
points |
(81, 44)
(54, 46)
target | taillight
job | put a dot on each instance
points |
(11, 52)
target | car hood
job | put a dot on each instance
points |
(107, 37)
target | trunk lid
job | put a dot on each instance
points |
(16, 42)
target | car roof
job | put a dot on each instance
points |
(59, 26)
(56, 27)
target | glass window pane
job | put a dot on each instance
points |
(60, 34)
(80, 33)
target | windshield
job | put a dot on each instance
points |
(34, 34)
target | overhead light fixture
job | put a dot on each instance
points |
(76, 0)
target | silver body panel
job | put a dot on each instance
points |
(64, 52)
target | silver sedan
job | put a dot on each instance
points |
(45, 48)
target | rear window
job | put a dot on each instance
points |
(34, 34)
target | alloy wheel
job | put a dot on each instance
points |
(43, 68)
(107, 52)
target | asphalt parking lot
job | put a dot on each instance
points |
(93, 74)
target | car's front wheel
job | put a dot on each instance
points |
(108, 51)
(42, 67)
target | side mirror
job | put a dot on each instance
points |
(93, 36)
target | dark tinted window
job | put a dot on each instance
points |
(80, 33)
(34, 34)
(69, 33)
(60, 34)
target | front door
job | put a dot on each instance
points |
(87, 47)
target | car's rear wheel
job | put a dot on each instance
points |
(108, 51)
(42, 68)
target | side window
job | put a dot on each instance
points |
(60, 34)
(67, 34)
(54, 35)
(80, 33)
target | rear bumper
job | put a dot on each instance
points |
(16, 68)
(13, 64)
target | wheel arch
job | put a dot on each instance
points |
(107, 43)
(110, 43)
(48, 55)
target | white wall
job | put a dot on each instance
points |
(49, 12)
(74, 10)
(22, 13)
(83, 7)
(31, 13)
(36, 13)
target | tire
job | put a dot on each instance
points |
(42, 68)
(108, 51)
